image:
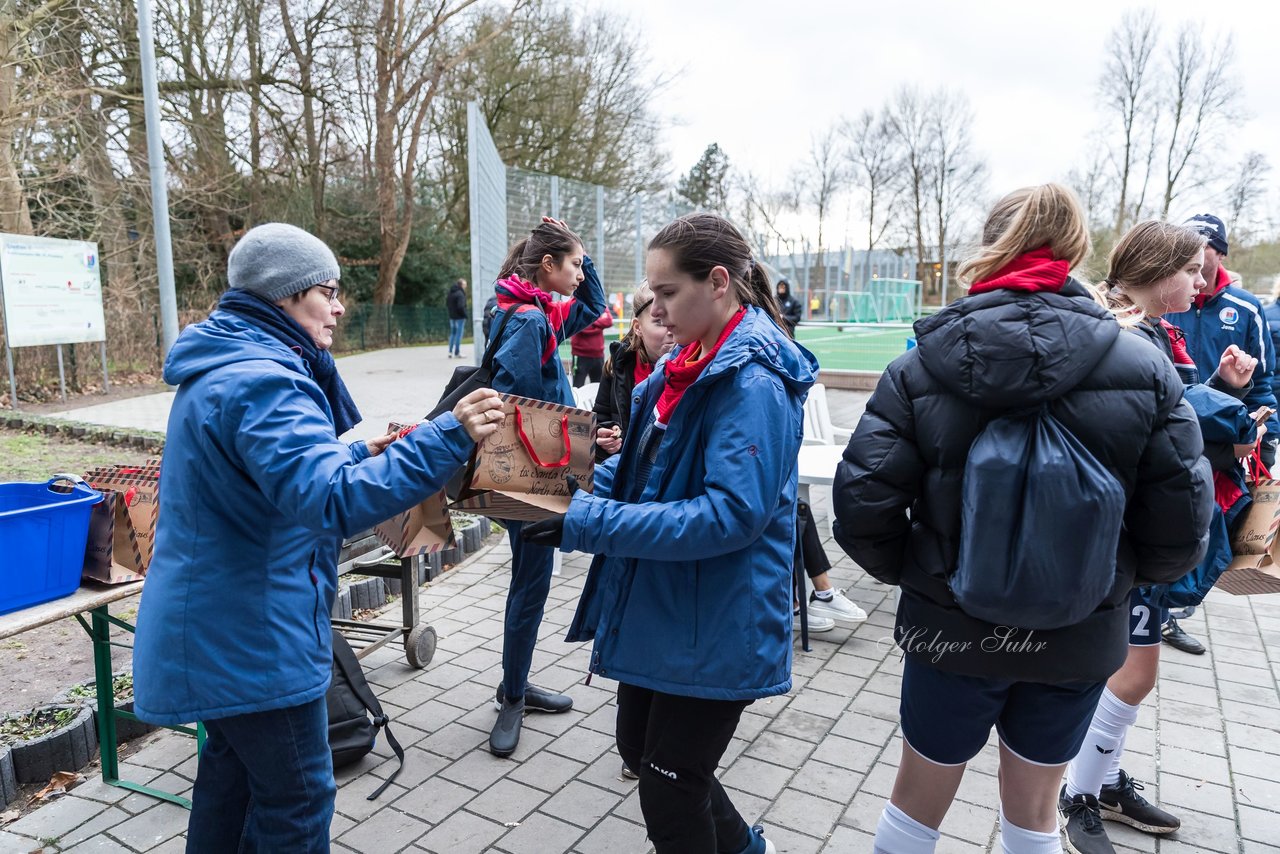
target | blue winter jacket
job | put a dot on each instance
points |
(518, 365)
(1272, 314)
(690, 592)
(256, 495)
(1232, 316)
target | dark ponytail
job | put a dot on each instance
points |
(762, 295)
(548, 238)
(700, 241)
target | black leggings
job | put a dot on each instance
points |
(809, 542)
(674, 744)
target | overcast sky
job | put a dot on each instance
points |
(760, 77)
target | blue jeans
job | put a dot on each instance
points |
(455, 335)
(264, 783)
(530, 582)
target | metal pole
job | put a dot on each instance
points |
(159, 190)
(599, 256)
(639, 238)
(473, 196)
(62, 376)
(106, 380)
(555, 196)
(13, 386)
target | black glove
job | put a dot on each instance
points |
(548, 532)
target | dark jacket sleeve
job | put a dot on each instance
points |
(877, 482)
(1168, 515)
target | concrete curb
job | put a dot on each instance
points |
(124, 438)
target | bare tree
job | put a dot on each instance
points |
(1126, 88)
(875, 170)
(1202, 99)
(411, 62)
(908, 116)
(761, 214)
(956, 175)
(823, 180)
(1246, 191)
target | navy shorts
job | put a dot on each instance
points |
(1145, 620)
(947, 717)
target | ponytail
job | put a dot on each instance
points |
(759, 292)
(511, 264)
(1028, 219)
(547, 238)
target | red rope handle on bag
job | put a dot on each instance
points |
(1258, 468)
(528, 446)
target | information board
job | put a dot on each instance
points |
(52, 291)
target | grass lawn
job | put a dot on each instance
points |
(35, 457)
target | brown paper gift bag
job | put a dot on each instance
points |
(1254, 569)
(423, 529)
(122, 527)
(520, 472)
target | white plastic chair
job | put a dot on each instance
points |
(818, 429)
(586, 396)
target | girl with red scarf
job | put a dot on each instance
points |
(549, 261)
(693, 524)
(1154, 270)
(1027, 335)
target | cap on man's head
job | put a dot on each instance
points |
(276, 260)
(1212, 228)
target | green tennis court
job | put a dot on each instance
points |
(844, 347)
(855, 346)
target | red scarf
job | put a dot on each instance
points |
(1224, 279)
(515, 292)
(643, 369)
(1032, 271)
(687, 366)
(1225, 491)
(1179, 343)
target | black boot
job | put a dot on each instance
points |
(538, 700)
(1174, 636)
(506, 729)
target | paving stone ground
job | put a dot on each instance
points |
(815, 766)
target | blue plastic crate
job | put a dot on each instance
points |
(43, 532)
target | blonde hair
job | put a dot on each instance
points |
(640, 301)
(1027, 219)
(1147, 253)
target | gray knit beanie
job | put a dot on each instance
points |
(276, 260)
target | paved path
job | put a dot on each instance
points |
(815, 765)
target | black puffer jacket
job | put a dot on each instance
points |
(613, 400)
(897, 490)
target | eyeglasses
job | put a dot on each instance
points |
(333, 292)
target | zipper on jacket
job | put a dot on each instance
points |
(315, 586)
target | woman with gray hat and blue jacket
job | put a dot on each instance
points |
(256, 496)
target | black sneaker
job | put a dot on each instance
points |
(1174, 636)
(1122, 803)
(1082, 825)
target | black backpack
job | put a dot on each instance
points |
(1039, 525)
(351, 733)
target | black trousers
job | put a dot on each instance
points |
(587, 369)
(809, 542)
(674, 744)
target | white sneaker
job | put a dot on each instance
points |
(840, 608)
(817, 624)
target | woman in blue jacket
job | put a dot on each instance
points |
(549, 261)
(693, 525)
(256, 496)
